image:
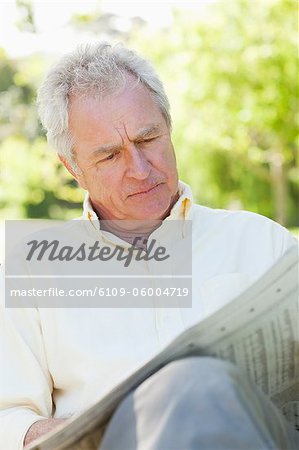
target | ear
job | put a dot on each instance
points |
(67, 165)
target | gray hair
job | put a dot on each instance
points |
(100, 68)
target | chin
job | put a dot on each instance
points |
(153, 215)
(152, 209)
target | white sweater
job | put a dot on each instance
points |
(56, 362)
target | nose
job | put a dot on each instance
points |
(137, 165)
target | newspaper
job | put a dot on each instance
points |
(258, 331)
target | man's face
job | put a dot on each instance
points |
(124, 150)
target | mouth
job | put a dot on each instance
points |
(147, 191)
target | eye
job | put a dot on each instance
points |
(148, 140)
(110, 157)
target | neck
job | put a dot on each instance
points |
(129, 230)
(133, 229)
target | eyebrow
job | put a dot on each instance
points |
(146, 132)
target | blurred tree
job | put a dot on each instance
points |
(231, 75)
(232, 79)
(106, 25)
(17, 93)
(26, 20)
(33, 182)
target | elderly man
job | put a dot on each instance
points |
(107, 115)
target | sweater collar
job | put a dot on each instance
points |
(180, 210)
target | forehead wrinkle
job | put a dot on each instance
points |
(141, 133)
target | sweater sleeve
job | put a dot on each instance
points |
(25, 383)
(282, 239)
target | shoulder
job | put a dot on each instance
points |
(242, 229)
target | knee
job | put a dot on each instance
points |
(193, 385)
(198, 387)
(204, 370)
(198, 374)
(200, 363)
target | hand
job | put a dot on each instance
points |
(40, 428)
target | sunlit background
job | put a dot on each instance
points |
(229, 67)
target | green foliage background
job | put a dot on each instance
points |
(231, 75)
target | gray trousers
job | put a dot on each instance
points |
(198, 403)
